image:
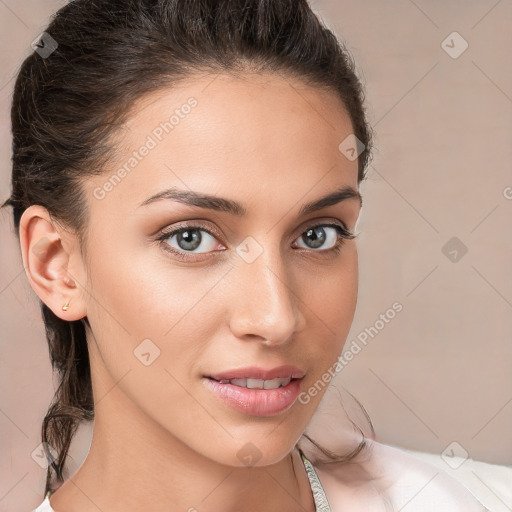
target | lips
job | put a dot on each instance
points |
(257, 391)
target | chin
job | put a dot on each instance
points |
(265, 450)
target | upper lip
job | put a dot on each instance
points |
(255, 372)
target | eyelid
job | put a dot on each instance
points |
(323, 221)
(168, 231)
(206, 225)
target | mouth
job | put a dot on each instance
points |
(255, 374)
(256, 391)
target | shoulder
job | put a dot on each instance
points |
(383, 478)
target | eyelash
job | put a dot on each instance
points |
(343, 234)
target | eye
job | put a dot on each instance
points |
(188, 239)
(185, 241)
(332, 235)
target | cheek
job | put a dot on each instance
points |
(151, 321)
(332, 297)
(139, 295)
(330, 306)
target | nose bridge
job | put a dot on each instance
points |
(267, 306)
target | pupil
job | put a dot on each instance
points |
(317, 236)
(188, 241)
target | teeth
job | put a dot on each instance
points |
(258, 383)
(255, 383)
(239, 382)
(275, 383)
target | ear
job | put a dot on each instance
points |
(53, 264)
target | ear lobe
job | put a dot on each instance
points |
(46, 264)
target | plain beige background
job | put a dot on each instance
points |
(440, 371)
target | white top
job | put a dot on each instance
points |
(397, 479)
(45, 506)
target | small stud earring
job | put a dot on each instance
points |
(66, 306)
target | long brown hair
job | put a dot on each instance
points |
(95, 59)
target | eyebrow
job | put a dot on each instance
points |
(219, 204)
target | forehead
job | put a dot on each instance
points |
(261, 133)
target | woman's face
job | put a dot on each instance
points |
(245, 285)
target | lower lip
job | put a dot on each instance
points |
(256, 402)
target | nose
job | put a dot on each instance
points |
(266, 307)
